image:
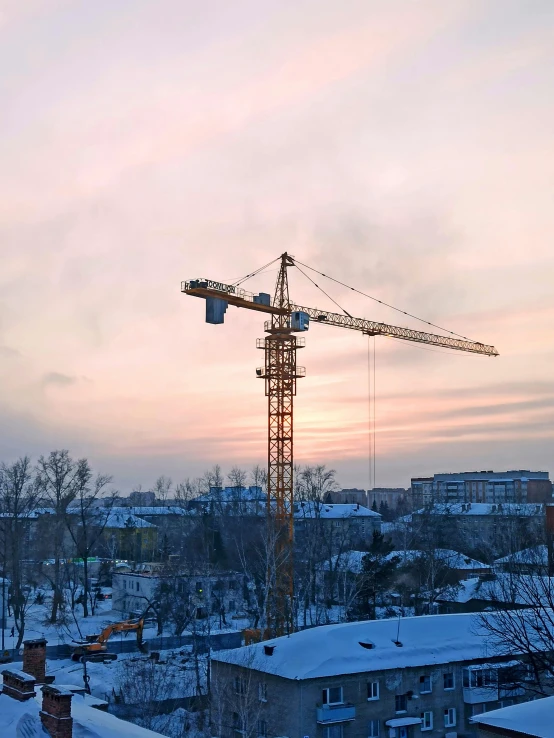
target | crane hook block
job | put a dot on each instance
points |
(215, 310)
(299, 321)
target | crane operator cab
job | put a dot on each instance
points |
(299, 321)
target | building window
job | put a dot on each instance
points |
(332, 696)
(262, 692)
(426, 720)
(231, 607)
(373, 729)
(262, 729)
(238, 723)
(400, 703)
(448, 680)
(333, 731)
(240, 685)
(138, 586)
(450, 717)
(373, 691)
(125, 583)
(425, 684)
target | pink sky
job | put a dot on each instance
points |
(405, 148)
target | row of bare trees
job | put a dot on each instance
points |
(70, 490)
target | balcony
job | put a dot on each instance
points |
(335, 714)
(476, 695)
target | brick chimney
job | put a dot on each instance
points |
(34, 659)
(56, 711)
(18, 685)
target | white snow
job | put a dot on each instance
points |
(528, 718)
(483, 508)
(522, 590)
(352, 561)
(537, 556)
(22, 718)
(332, 511)
(335, 649)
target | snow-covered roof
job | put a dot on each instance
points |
(308, 509)
(453, 559)
(522, 589)
(22, 719)
(537, 556)
(352, 560)
(157, 510)
(528, 718)
(330, 650)
(483, 508)
(126, 520)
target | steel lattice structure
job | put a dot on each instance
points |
(280, 373)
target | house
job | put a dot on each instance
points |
(528, 720)
(529, 561)
(370, 679)
(33, 706)
(340, 522)
(505, 592)
(208, 593)
(128, 536)
(336, 575)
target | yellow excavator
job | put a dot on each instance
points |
(95, 648)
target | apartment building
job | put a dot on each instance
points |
(479, 524)
(422, 676)
(519, 486)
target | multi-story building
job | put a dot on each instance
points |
(497, 527)
(205, 593)
(392, 497)
(373, 679)
(351, 523)
(485, 486)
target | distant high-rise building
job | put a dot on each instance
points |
(483, 486)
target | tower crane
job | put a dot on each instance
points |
(280, 373)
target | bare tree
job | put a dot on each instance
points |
(56, 479)
(317, 482)
(86, 520)
(18, 497)
(162, 488)
(523, 620)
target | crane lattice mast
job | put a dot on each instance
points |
(280, 373)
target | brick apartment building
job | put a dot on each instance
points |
(423, 676)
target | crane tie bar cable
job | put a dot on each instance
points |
(253, 274)
(381, 302)
(322, 290)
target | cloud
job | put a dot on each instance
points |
(6, 352)
(57, 379)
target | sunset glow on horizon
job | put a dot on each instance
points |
(403, 148)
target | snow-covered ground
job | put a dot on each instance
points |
(75, 627)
